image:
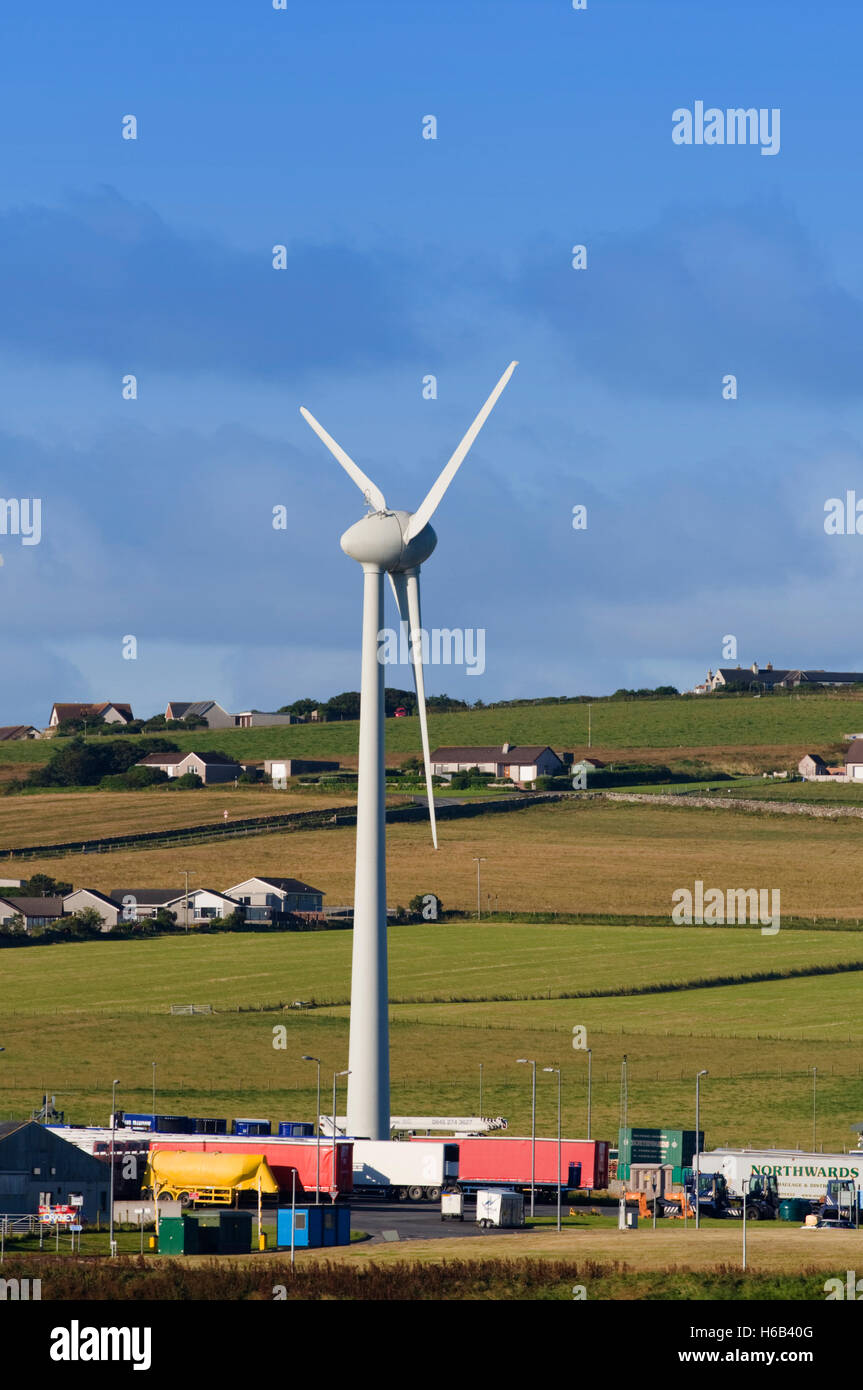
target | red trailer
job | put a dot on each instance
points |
(490, 1159)
(282, 1155)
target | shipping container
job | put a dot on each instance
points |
(296, 1129)
(676, 1147)
(313, 1226)
(256, 1128)
(798, 1174)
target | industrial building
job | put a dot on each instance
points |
(39, 1168)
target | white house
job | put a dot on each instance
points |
(203, 905)
(520, 763)
(82, 898)
(264, 898)
(36, 912)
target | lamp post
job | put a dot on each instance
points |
(154, 1090)
(557, 1069)
(589, 1081)
(529, 1062)
(814, 1106)
(114, 1085)
(306, 1058)
(336, 1075)
(478, 859)
(698, 1146)
(480, 1085)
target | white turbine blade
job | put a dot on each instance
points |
(429, 506)
(371, 491)
(406, 588)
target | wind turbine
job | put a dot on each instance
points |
(396, 543)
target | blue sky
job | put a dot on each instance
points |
(408, 257)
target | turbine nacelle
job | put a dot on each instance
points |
(379, 539)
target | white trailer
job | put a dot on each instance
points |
(798, 1174)
(415, 1171)
(497, 1208)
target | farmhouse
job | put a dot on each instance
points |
(210, 767)
(812, 766)
(268, 898)
(521, 763)
(12, 732)
(770, 678)
(108, 711)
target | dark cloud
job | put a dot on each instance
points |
(672, 308)
(104, 280)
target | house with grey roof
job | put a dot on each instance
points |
(209, 710)
(210, 767)
(36, 912)
(520, 763)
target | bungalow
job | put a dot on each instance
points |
(267, 898)
(210, 767)
(110, 712)
(751, 678)
(10, 733)
(141, 904)
(82, 898)
(521, 763)
(212, 713)
(36, 912)
(202, 905)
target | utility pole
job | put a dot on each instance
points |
(528, 1062)
(306, 1058)
(478, 860)
(557, 1069)
(588, 725)
(698, 1146)
(814, 1106)
(187, 872)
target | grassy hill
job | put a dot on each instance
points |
(804, 721)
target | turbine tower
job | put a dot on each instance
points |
(394, 543)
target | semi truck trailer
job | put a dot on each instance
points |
(415, 1171)
(797, 1173)
(510, 1162)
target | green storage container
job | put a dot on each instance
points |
(794, 1209)
(179, 1235)
(235, 1232)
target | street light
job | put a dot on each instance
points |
(480, 1085)
(306, 1058)
(478, 859)
(529, 1062)
(336, 1075)
(814, 1106)
(557, 1069)
(154, 1090)
(589, 1081)
(698, 1146)
(114, 1085)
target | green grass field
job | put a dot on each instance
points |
(815, 721)
(74, 1017)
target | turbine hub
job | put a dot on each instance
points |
(379, 540)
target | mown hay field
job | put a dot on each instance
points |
(585, 857)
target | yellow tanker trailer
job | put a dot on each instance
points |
(212, 1178)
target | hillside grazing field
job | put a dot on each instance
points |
(796, 723)
(586, 857)
(73, 1017)
(51, 817)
